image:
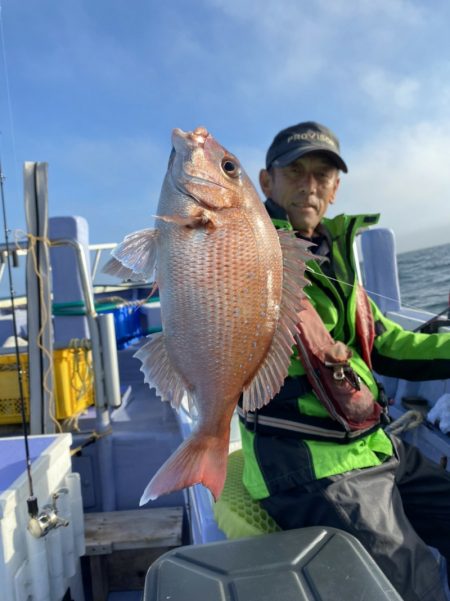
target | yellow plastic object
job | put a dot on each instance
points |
(236, 513)
(73, 384)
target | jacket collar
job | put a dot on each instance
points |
(275, 211)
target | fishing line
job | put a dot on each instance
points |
(396, 300)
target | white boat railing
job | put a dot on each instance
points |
(20, 249)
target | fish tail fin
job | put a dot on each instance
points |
(200, 459)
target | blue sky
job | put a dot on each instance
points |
(96, 87)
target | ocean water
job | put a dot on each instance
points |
(425, 278)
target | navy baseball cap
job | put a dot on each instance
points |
(293, 142)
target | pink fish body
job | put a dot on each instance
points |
(230, 288)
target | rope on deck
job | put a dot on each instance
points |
(408, 421)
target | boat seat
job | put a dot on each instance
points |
(236, 513)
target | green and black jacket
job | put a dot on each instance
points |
(277, 461)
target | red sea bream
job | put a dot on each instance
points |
(230, 288)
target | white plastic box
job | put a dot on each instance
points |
(41, 569)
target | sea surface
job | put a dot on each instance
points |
(425, 278)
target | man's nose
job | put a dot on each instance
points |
(309, 183)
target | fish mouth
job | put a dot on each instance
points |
(191, 140)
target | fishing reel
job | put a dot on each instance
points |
(41, 522)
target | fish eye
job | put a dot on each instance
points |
(230, 167)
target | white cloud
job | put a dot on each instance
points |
(388, 90)
(399, 11)
(304, 42)
(402, 173)
(295, 14)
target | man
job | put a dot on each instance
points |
(318, 471)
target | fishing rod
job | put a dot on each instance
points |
(434, 323)
(41, 522)
(31, 501)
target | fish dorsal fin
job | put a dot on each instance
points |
(270, 377)
(159, 373)
(135, 257)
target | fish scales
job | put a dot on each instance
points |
(229, 291)
(218, 290)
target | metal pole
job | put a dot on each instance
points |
(103, 424)
(39, 316)
(109, 355)
(98, 254)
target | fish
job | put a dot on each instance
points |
(230, 287)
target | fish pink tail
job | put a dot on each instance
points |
(200, 459)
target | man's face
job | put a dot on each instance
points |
(304, 189)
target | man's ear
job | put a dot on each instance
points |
(265, 181)
(336, 188)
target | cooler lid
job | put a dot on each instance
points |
(308, 564)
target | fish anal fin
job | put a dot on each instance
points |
(201, 459)
(272, 372)
(159, 372)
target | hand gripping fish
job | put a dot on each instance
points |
(230, 288)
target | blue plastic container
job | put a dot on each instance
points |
(127, 322)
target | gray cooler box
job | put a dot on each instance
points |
(309, 564)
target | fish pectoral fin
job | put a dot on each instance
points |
(270, 377)
(115, 268)
(159, 372)
(135, 257)
(200, 217)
